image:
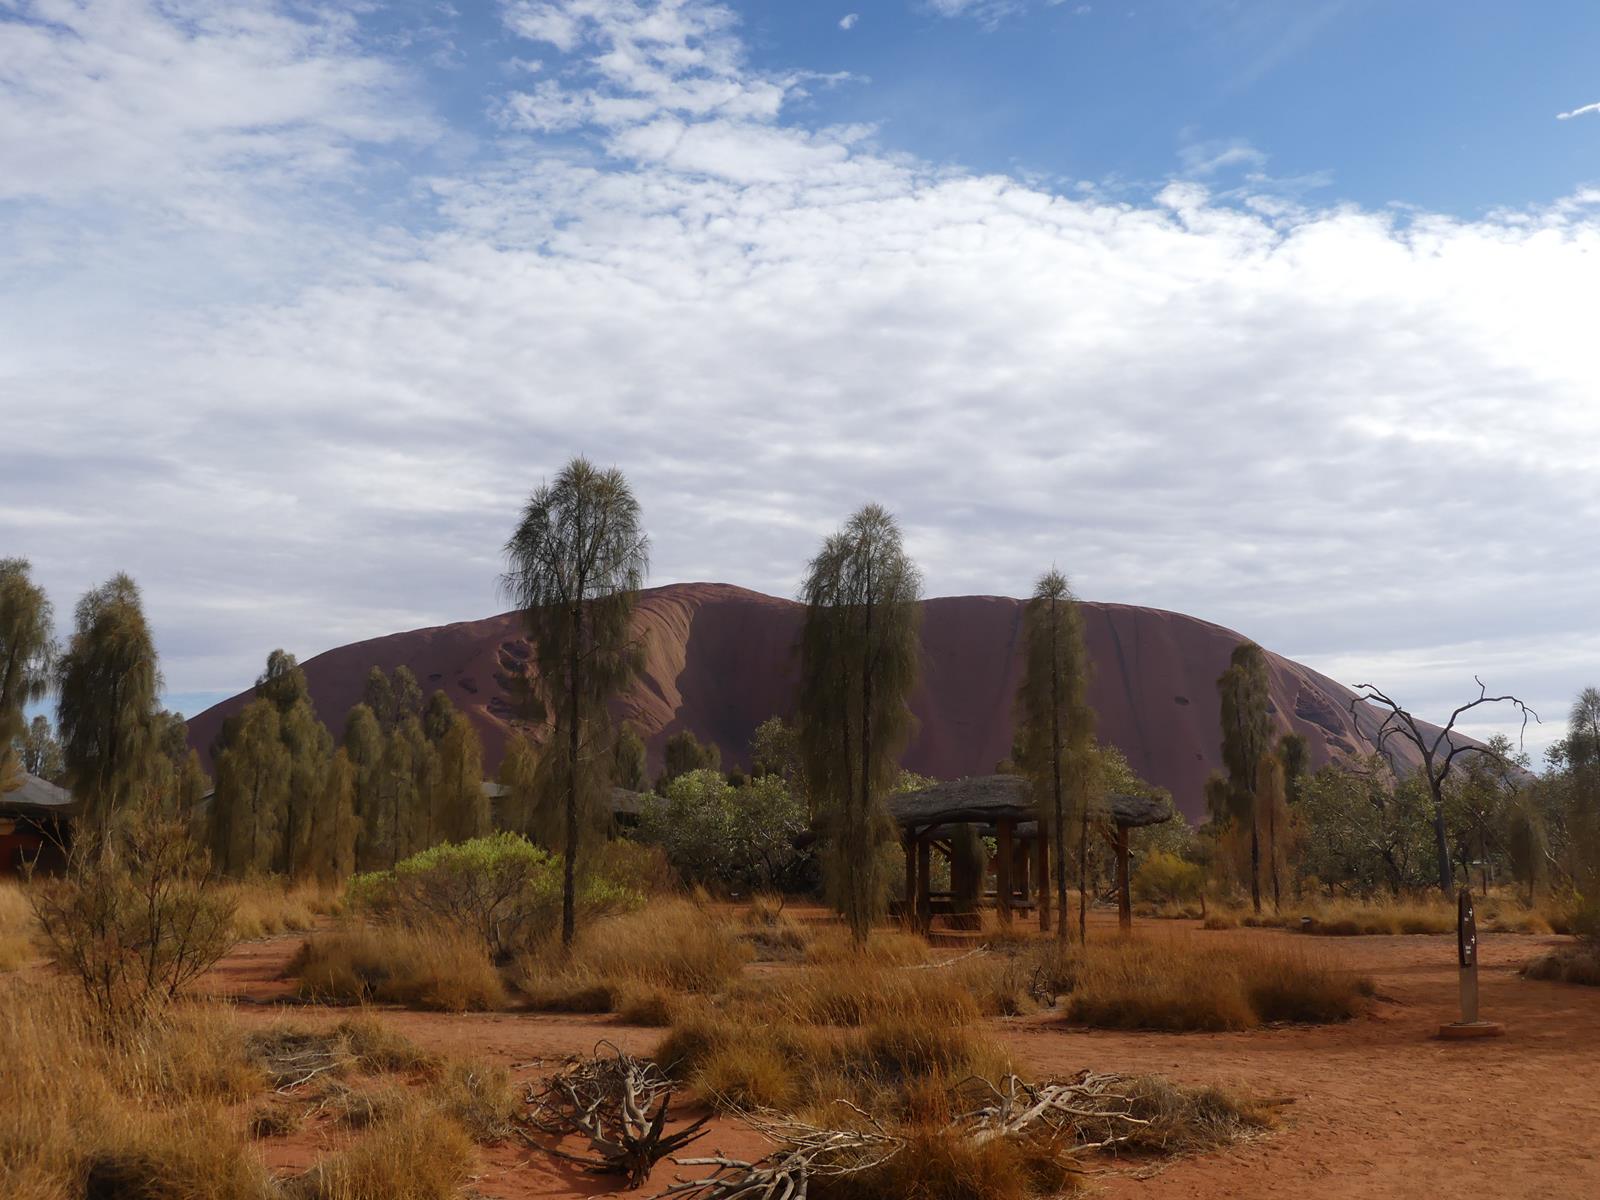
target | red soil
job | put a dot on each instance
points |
(719, 660)
(1382, 1109)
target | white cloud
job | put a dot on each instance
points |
(1578, 112)
(1336, 429)
(849, 20)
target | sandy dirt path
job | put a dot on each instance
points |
(1382, 1109)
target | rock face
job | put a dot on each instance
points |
(719, 660)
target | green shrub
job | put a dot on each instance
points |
(502, 889)
(1167, 879)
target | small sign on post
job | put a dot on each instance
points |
(1470, 1026)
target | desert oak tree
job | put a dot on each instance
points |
(575, 564)
(860, 658)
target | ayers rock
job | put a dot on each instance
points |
(719, 660)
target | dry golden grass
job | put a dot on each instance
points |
(1388, 916)
(1578, 963)
(637, 963)
(412, 1156)
(424, 968)
(773, 934)
(17, 927)
(478, 1098)
(266, 907)
(1180, 984)
(139, 1111)
(939, 1164)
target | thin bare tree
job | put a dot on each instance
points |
(1438, 749)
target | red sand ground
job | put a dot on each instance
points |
(719, 660)
(1382, 1110)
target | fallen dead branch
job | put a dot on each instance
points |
(807, 1152)
(620, 1105)
(1088, 1112)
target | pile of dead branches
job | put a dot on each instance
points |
(1086, 1113)
(806, 1152)
(619, 1105)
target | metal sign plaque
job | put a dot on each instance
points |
(1466, 931)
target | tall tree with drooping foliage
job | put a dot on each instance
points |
(1055, 728)
(331, 845)
(628, 763)
(41, 749)
(462, 804)
(310, 747)
(27, 648)
(363, 744)
(859, 661)
(1246, 739)
(575, 564)
(252, 793)
(108, 682)
(518, 777)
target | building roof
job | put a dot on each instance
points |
(985, 799)
(39, 796)
(623, 802)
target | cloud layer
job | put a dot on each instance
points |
(1364, 438)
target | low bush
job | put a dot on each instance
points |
(436, 968)
(502, 889)
(1167, 879)
(135, 919)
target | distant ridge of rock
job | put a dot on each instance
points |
(720, 659)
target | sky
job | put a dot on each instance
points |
(1276, 314)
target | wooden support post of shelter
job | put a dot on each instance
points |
(1124, 898)
(1003, 859)
(1042, 870)
(924, 914)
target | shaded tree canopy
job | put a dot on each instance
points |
(684, 753)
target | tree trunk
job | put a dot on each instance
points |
(1055, 771)
(1255, 862)
(1083, 863)
(569, 888)
(859, 930)
(1272, 861)
(1440, 846)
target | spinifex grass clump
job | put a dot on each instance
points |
(432, 968)
(636, 964)
(1176, 984)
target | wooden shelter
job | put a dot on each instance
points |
(1002, 807)
(36, 822)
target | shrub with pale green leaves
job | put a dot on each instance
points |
(1167, 879)
(502, 889)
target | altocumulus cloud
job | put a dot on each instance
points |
(1364, 439)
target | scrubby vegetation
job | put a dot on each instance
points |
(431, 968)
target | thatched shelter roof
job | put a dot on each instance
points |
(985, 799)
(38, 797)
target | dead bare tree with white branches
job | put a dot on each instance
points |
(1438, 750)
(620, 1105)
